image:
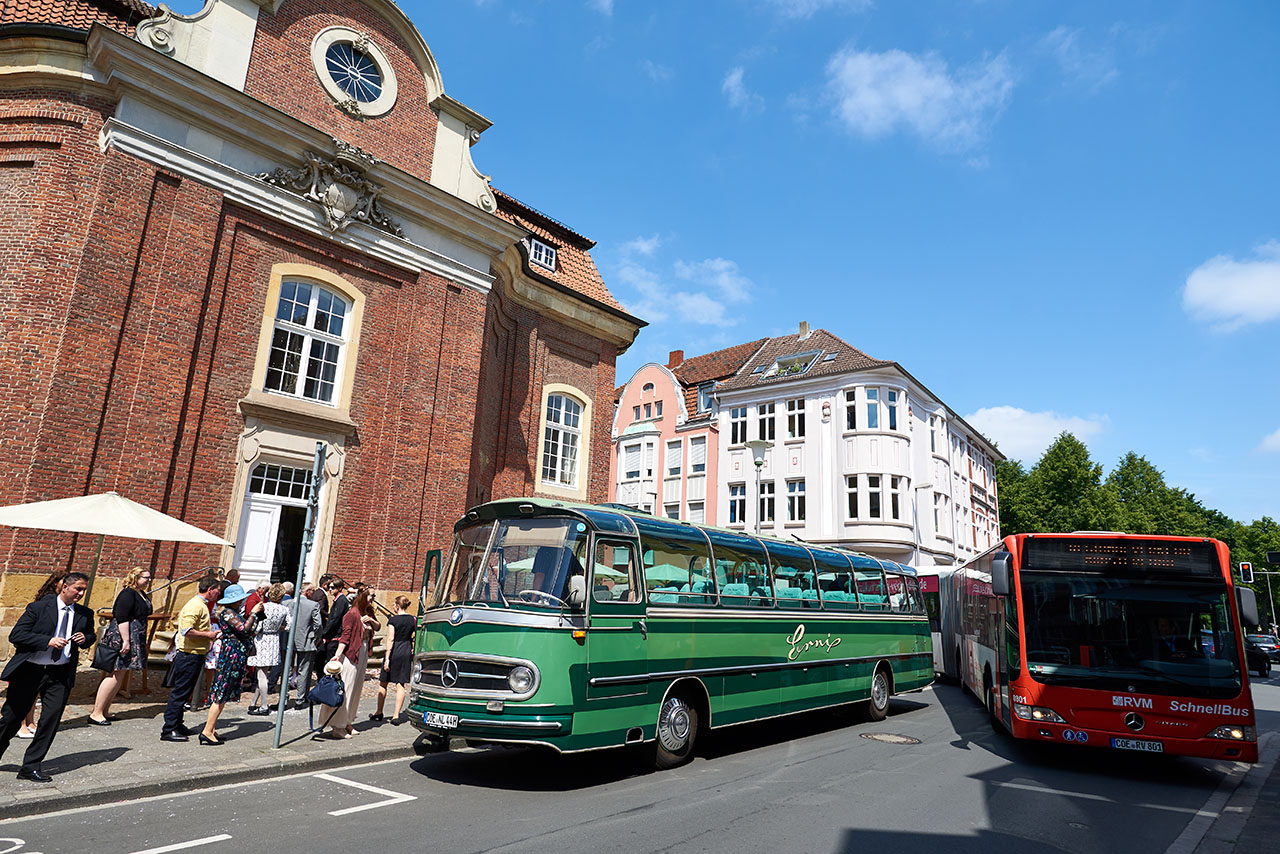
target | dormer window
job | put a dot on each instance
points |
(704, 397)
(792, 365)
(542, 254)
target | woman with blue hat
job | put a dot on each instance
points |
(237, 634)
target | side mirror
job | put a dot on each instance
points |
(577, 596)
(1248, 602)
(1001, 573)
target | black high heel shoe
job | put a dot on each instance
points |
(204, 739)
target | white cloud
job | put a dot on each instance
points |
(604, 7)
(1024, 435)
(1271, 444)
(713, 285)
(1092, 69)
(642, 245)
(719, 273)
(657, 73)
(807, 8)
(740, 98)
(877, 94)
(1230, 294)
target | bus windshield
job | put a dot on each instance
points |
(536, 562)
(1169, 636)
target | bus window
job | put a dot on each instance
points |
(898, 602)
(794, 579)
(677, 568)
(835, 581)
(742, 570)
(869, 582)
(913, 590)
(614, 575)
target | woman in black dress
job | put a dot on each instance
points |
(398, 664)
(129, 624)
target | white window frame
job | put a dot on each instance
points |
(704, 397)
(891, 402)
(737, 504)
(629, 453)
(795, 500)
(697, 455)
(675, 446)
(896, 484)
(875, 496)
(795, 418)
(850, 410)
(851, 498)
(873, 408)
(308, 337)
(767, 497)
(766, 422)
(542, 254)
(671, 511)
(697, 512)
(562, 441)
(738, 425)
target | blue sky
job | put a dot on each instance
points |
(1057, 216)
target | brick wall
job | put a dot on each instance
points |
(281, 74)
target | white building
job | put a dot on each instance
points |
(861, 454)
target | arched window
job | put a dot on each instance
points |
(308, 341)
(561, 441)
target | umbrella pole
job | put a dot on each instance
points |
(93, 570)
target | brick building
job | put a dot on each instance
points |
(229, 236)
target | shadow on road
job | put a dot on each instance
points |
(979, 842)
(531, 769)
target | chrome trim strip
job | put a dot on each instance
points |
(498, 617)
(462, 659)
(724, 613)
(749, 668)
(540, 726)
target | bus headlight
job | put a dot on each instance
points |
(417, 671)
(1040, 714)
(520, 679)
(1232, 732)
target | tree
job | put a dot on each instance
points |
(1012, 478)
(1063, 492)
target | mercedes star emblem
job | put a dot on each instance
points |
(449, 674)
(1134, 721)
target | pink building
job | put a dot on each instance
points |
(665, 434)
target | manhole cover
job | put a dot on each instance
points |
(890, 738)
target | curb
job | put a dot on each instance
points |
(99, 797)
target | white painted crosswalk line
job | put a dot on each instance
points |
(182, 846)
(392, 797)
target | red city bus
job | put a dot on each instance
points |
(1108, 640)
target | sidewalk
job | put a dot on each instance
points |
(1250, 821)
(95, 765)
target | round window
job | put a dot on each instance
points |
(354, 72)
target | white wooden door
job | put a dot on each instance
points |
(256, 540)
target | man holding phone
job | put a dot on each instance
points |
(47, 638)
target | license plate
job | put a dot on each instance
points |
(1135, 744)
(440, 721)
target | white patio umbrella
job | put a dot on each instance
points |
(107, 515)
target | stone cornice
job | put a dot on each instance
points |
(569, 307)
(190, 96)
(294, 412)
(470, 117)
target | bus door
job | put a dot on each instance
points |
(617, 634)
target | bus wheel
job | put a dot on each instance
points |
(878, 707)
(677, 730)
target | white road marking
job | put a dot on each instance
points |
(180, 846)
(169, 796)
(392, 797)
(1086, 796)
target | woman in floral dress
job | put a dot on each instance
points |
(237, 632)
(266, 644)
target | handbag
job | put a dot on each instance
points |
(327, 692)
(104, 658)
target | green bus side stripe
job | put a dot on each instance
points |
(750, 668)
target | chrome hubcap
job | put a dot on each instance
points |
(674, 725)
(879, 690)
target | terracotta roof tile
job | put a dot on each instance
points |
(716, 365)
(574, 267)
(846, 360)
(121, 15)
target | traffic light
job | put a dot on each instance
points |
(1273, 557)
(1246, 572)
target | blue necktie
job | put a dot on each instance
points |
(64, 624)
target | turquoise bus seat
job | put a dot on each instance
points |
(736, 590)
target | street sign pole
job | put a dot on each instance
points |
(308, 536)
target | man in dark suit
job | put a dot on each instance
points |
(47, 638)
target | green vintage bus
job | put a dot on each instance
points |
(582, 627)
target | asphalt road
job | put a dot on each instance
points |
(813, 783)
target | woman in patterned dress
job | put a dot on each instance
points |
(130, 612)
(266, 646)
(237, 632)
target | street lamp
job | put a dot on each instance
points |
(758, 448)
